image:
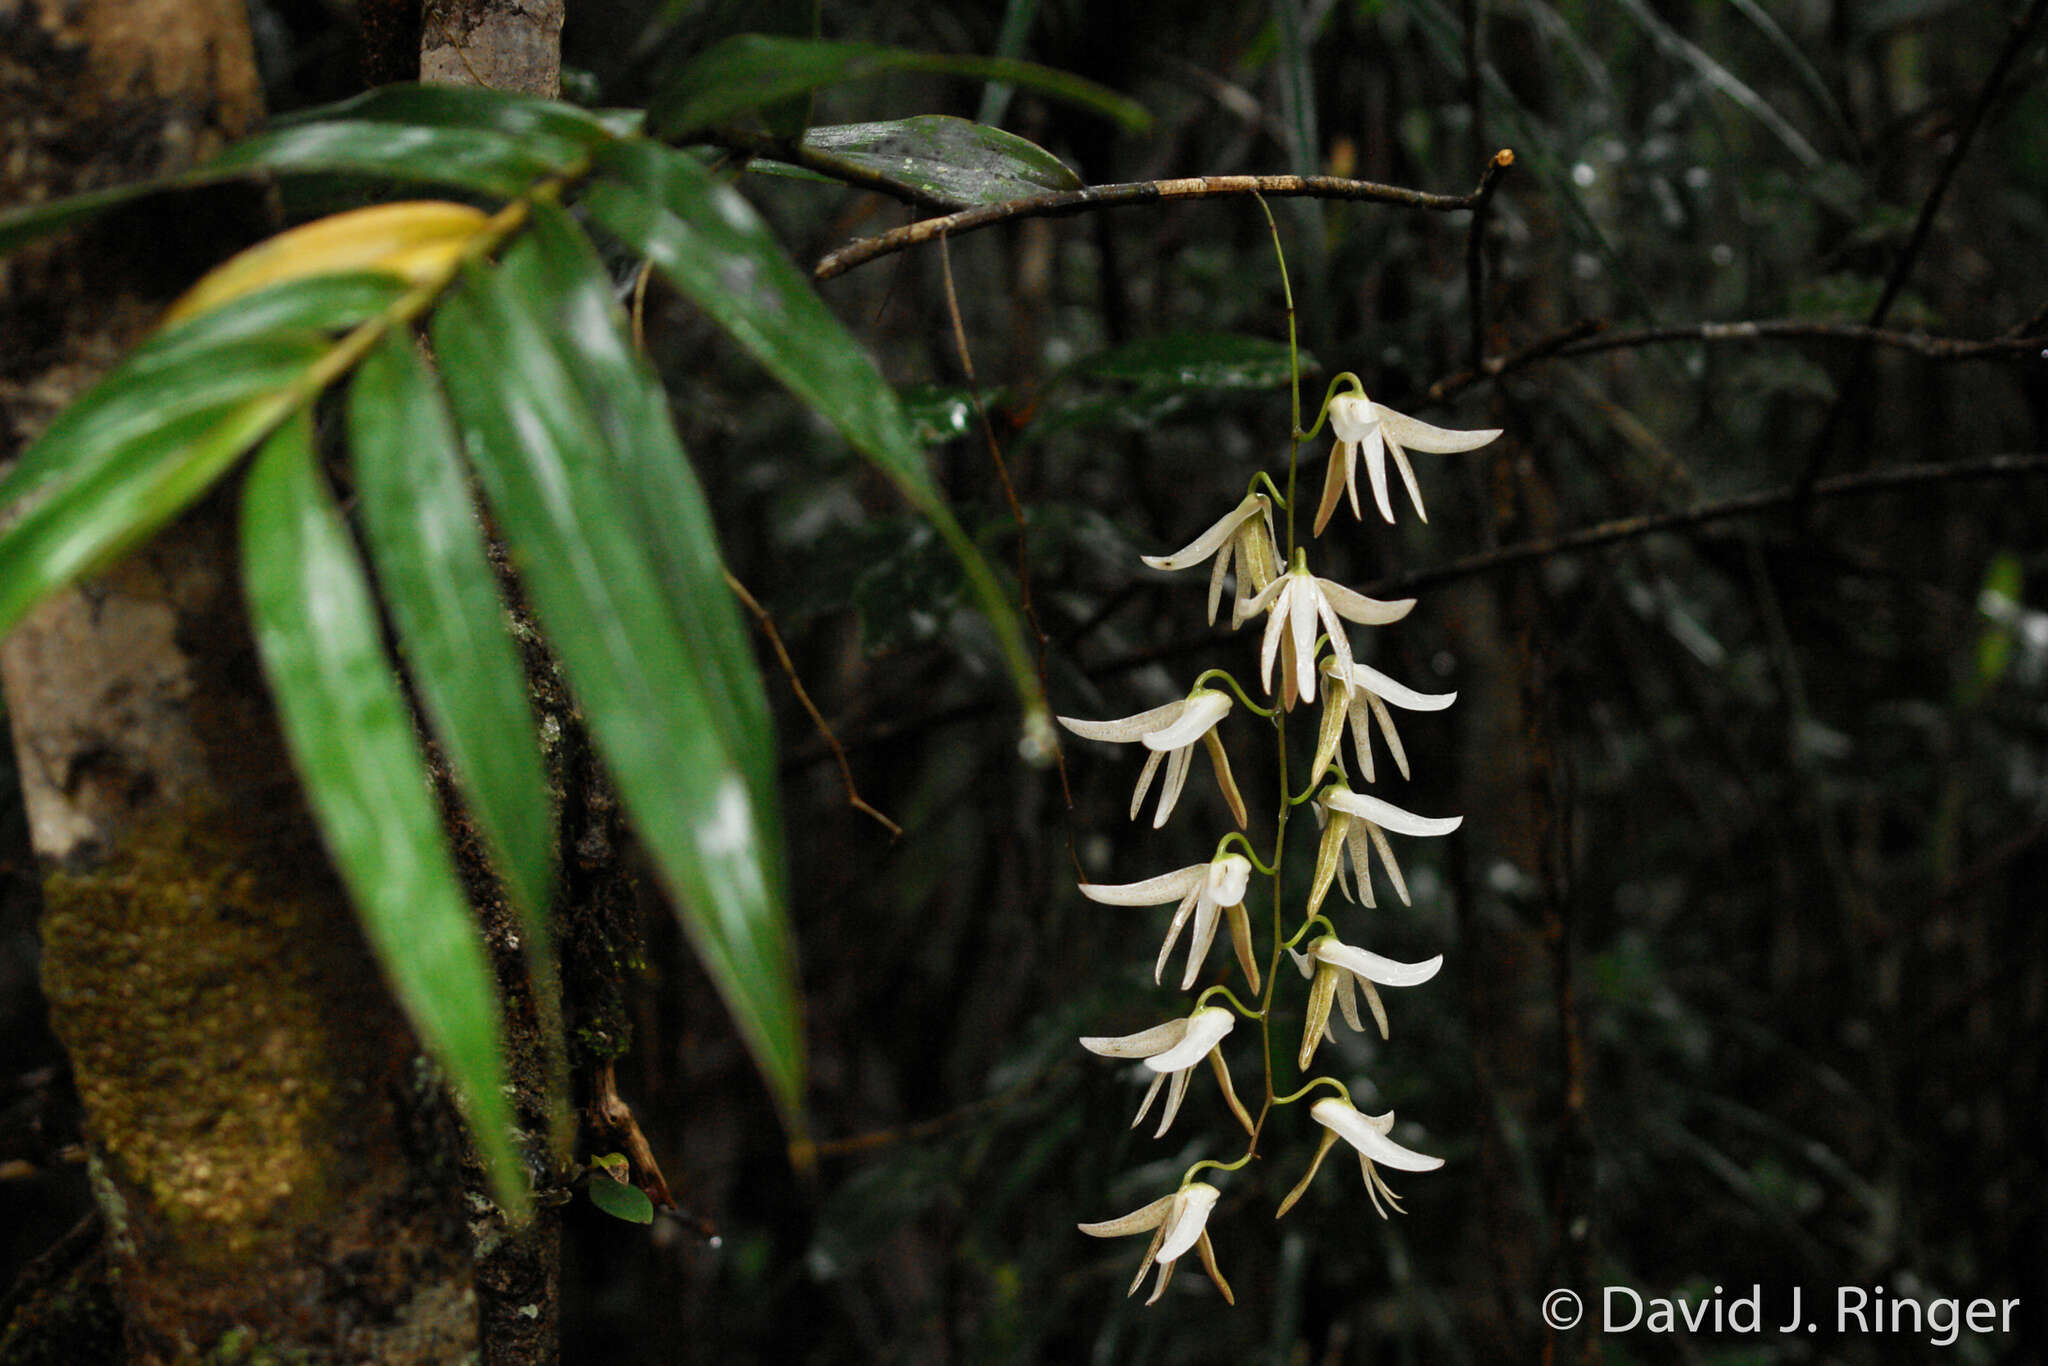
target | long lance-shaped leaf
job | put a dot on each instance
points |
(556, 269)
(549, 128)
(436, 578)
(477, 158)
(950, 160)
(148, 392)
(540, 454)
(713, 247)
(352, 740)
(750, 70)
(89, 523)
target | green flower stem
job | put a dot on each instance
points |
(1272, 488)
(1237, 837)
(1342, 1090)
(1208, 1162)
(1322, 414)
(1224, 674)
(1239, 1006)
(1308, 925)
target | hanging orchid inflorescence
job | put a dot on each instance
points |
(1306, 634)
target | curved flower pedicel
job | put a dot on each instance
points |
(1362, 695)
(1170, 732)
(1179, 1221)
(1359, 424)
(1368, 1134)
(1206, 890)
(1337, 966)
(1172, 1050)
(1244, 533)
(1299, 601)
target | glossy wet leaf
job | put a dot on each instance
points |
(541, 454)
(549, 128)
(436, 578)
(479, 159)
(751, 70)
(1198, 360)
(352, 740)
(951, 160)
(131, 491)
(557, 270)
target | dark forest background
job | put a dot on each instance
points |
(1747, 967)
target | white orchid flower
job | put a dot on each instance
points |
(1206, 891)
(1360, 424)
(1170, 732)
(1355, 824)
(1244, 534)
(1172, 1050)
(1178, 1222)
(1368, 1134)
(1299, 601)
(1362, 694)
(1338, 967)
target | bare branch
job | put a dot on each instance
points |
(1065, 202)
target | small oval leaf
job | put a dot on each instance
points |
(620, 1200)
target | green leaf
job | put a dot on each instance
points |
(479, 159)
(711, 245)
(950, 160)
(548, 128)
(620, 1201)
(352, 740)
(750, 70)
(39, 220)
(319, 303)
(131, 491)
(436, 578)
(561, 273)
(597, 588)
(1198, 360)
(156, 386)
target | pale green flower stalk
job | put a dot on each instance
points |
(1306, 639)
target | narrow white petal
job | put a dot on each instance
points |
(1189, 1219)
(1153, 891)
(1364, 1135)
(1143, 1044)
(1407, 475)
(1269, 644)
(1144, 781)
(1379, 842)
(1206, 1028)
(1340, 640)
(1207, 917)
(1212, 540)
(1397, 694)
(1304, 603)
(1420, 436)
(1176, 778)
(1216, 577)
(1391, 817)
(1137, 1221)
(1205, 707)
(1151, 1094)
(1127, 728)
(1376, 466)
(1362, 609)
(1367, 964)
(1175, 1094)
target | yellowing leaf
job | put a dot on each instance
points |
(417, 241)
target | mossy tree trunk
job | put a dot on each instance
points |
(276, 1178)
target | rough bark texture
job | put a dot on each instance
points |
(503, 44)
(276, 1177)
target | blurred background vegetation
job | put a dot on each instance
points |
(1747, 971)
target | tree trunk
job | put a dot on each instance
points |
(277, 1178)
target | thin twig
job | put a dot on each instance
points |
(995, 455)
(1064, 202)
(2023, 27)
(1591, 335)
(1650, 524)
(796, 685)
